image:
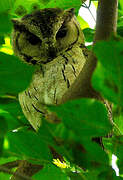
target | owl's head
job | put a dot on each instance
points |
(40, 37)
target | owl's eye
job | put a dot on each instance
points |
(61, 33)
(33, 40)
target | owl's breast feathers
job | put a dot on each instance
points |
(48, 86)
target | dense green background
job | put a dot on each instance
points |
(82, 119)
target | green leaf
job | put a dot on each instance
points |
(45, 132)
(120, 26)
(76, 176)
(2, 41)
(1, 145)
(24, 7)
(6, 160)
(98, 158)
(58, 137)
(89, 34)
(118, 120)
(50, 172)
(120, 4)
(21, 7)
(20, 10)
(103, 82)
(115, 146)
(89, 155)
(82, 22)
(120, 30)
(7, 122)
(86, 117)
(65, 4)
(66, 143)
(4, 176)
(5, 22)
(28, 145)
(108, 76)
(44, 1)
(36, 6)
(14, 75)
(6, 5)
(13, 111)
(3, 126)
(109, 173)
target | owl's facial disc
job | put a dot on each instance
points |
(67, 16)
(41, 36)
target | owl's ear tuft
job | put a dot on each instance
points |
(18, 25)
(71, 10)
(15, 21)
(68, 14)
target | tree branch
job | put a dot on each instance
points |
(8, 171)
(10, 165)
(105, 27)
(24, 171)
(106, 19)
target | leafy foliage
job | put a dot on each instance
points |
(84, 122)
(39, 149)
(13, 77)
(50, 171)
(77, 116)
(110, 80)
(89, 34)
(6, 27)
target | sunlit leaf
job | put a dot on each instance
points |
(82, 22)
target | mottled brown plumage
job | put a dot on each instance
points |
(52, 39)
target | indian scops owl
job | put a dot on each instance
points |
(52, 40)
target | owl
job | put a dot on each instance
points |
(50, 39)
